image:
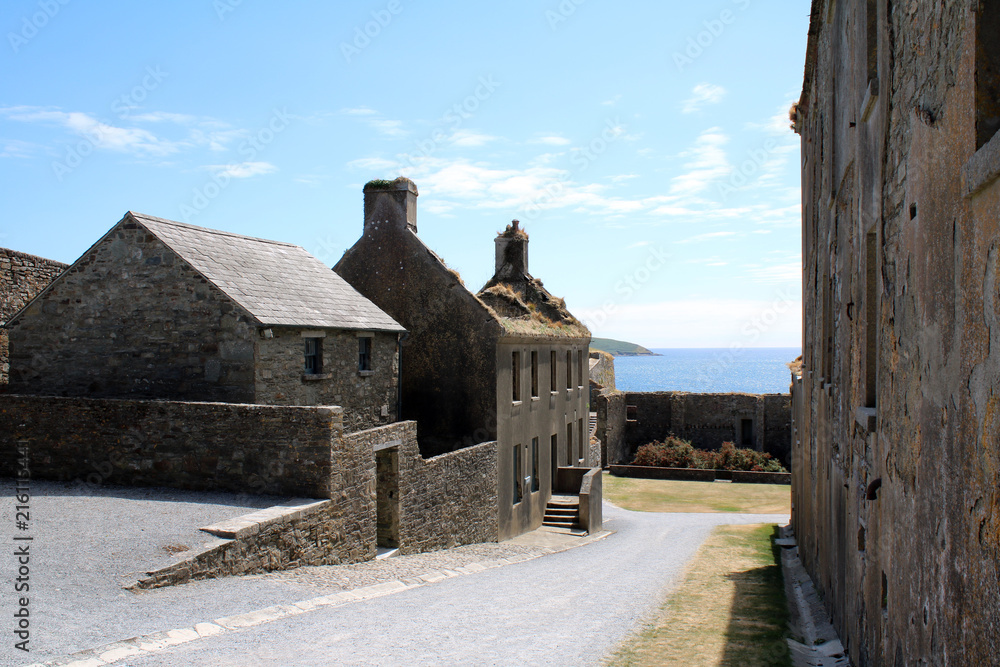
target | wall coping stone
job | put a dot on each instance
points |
(251, 524)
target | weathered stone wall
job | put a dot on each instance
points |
(611, 425)
(602, 369)
(444, 501)
(212, 446)
(708, 420)
(369, 398)
(896, 491)
(130, 319)
(22, 277)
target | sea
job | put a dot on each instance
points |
(760, 370)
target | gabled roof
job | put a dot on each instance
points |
(279, 284)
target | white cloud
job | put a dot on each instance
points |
(243, 169)
(613, 101)
(388, 128)
(373, 163)
(707, 163)
(777, 273)
(552, 140)
(620, 178)
(703, 93)
(358, 111)
(470, 139)
(709, 236)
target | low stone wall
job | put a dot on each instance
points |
(297, 533)
(700, 475)
(591, 500)
(445, 501)
(22, 277)
(260, 449)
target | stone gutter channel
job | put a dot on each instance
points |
(541, 542)
(815, 642)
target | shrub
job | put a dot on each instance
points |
(673, 452)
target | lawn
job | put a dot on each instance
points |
(729, 611)
(663, 495)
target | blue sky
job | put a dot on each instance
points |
(644, 145)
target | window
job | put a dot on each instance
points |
(569, 444)
(872, 40)
(534, 374)
(364, 353)
(746, 433)
(554, 457)
(534, 465)
(581, 441)
(987, 71)
(579, 367)
(553, 368)
(314, 356)
(871, 318)
(517, 474)
(569, 369)
(515, 376)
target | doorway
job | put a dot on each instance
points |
(387, 498)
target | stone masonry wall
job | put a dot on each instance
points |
(244, 448)
(369, 398)
(611, 428)
(132, 320)
(708, 420)
(22, 277)
(445, 501)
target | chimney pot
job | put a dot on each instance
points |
(391, 202)
(512, 253)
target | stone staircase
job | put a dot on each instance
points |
(562, 514)
(593, 424)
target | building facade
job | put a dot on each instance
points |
(896, 434)
(507, 363)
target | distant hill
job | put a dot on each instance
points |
(619, 348)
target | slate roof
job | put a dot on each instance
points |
(279, 284)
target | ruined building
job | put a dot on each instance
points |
(508, 363)
(896, 444)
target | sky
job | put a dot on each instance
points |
(644, 145)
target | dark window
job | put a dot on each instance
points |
(553, 371)
(515, 376)
(579, 367)
(871, 318)
(987, 71)
(534, 464)
(872, 40)
(364, 354)
(569, 444)
(554, 457)
(314, 356)
(746, 433)
(580, 440)
(569, 369)
(534, 375)
(517, 474)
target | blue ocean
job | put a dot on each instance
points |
(708, 370)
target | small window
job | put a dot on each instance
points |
(579, 368)
(534, 465)
(746, 433)
(987, 72)
(314, 356)
(569, 369)
(581, 441)
(569, 444)
(553, 372)
(364, 354)
(534, 375)
(515, 376)
(517, 474)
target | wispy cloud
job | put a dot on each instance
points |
(552, 140)
(703, 93)
(242, 169)
(470, 139)
(359, 111)
(709, 236)
(707, 163)
(102, 135)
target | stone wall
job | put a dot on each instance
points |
(131, 319)
(708, 420)
(22, 277)
(896, 489)
(444, 501)
(611, 424)
(369, 398)
(204, 446)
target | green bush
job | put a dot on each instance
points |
(673, 452)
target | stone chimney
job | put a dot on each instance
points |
(512, 253)
(391, 202)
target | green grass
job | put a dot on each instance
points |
(729, 611)
(662, 495)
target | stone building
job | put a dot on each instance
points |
(22, 276)
(508, 363)
(896, 445)
(163, 310)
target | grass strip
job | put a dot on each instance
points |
(664, 495)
